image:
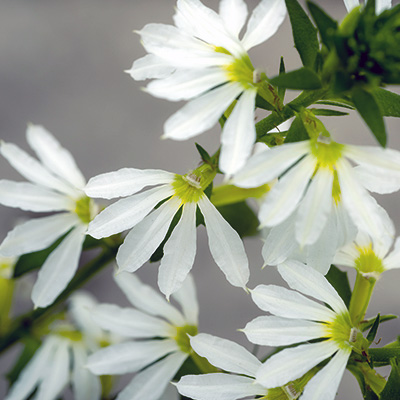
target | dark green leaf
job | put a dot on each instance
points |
(297, 132)
(300, 79)
(325, 112)
(372, 333)
(241, 217)
(304, 33)
(383, 355)
(335, 104)
(282, 70)
(369, 110)
(370, 6)
(325, 24)
(340, 281)
(392, 388)
(263, 104)
(367, 324)
(389, 102)
(203, 154)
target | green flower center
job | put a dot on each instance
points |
(340, 330)
(327, 153)
(84, 209)
(182, 338)
(73, 335)
(368, 262)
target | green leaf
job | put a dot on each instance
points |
(300, 79)
(297, 132)
(203, 154)
(392, 388)
(372, 333)
(383, 355)
(241, 217)
(334, 103)
(389, 102)
(369, 110)
(282, 70)
(340, 281)
(367, 324)
(304, 33)
(325, 112)
(325, 24)
(263, 104)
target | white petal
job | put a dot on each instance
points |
(276, 331)
(53, 156)
(186, 84)
(128, 212)
(30, 197)
(125, 182)
(59, 268)
(218, 386)
(324, 385)
(350, 4)
(151, 383)
(265, 166)
(315, 208)
(293, 363)
(225, 245)
(289, 304)
(310, 282)
(392, 261)
(377, 180)
(36, 234)
(234, 14)
(128, 357)
(33, 372)
(346, 229)
(264, 22)
(382, 5)
(33, 170)
(85, 385)
(142, 241)
(225, 354)
(148, 67)
(57, 373)
(239, 134)
(186, 296)
(201, 113)
(179, 252)
(129, 322)
(284, 197)
(145, 298)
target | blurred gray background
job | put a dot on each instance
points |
(61, 66)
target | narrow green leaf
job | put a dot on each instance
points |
(325, 112)
(300, 79)
(392, 388)
(304, 33)
(369, 110)
(282, 70)
(384, 354)
(389, 102)
(367, 324)
(335, 104)
(340, 281)
(372, 333)
(325, 24)
(263, 104)
(297, 132)
(203, 154)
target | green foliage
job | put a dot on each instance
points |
(325, 24)
(326, 112)
(340, 281)
(335, 103)
(300, 79)
(368, 323)
(297, 131)
(389, 102)
(392, 388)
(282, 70)
(374, 329)
(203, 154)
(304, 33)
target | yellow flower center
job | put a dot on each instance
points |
(182, 338)
(326, 152)
(73, 335)
(84, 208)
(368, 262)
(340, 330)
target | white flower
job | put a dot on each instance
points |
(231, 357)
(297, 319)
(316, 174)
(201, 59)
(62, 357)
(183, 193)
(55, 185)
(370, 257)
(380, 5)
(161, 330)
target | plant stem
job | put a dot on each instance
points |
(23, 325)
(360, 298)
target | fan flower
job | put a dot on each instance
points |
(201, 59)
(158, 331)
(183, 194)
(55, 184)
(62, 357)
(297, 319)
(318, 174)
(231, 357)
(380, 5)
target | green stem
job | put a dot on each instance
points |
(360, 297)
(6, 297)
(23, 325)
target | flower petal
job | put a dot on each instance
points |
(128, 212)
(150, 66)
(264, 22)
(225, 245)
(142, 241)
(202, 113)
(382, 5)
(187, 298)
(239, 134)
(30, 197)
(233, 14)
(225, 354)
(125, 182)
(376, 180)
(151, 383)
(53, 156)
(293, 363)
(392, 261)
(36, 234)
(59, 268)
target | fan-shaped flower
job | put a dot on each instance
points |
(316, 174)
(162, 330)
(297, 319)
(201, 59)
(380, 5)
(184, 193)
(55, 184)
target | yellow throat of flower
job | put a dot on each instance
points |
(182, 337)
(340, 331)
(368, 263)
(326, 151)
(85, 209)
